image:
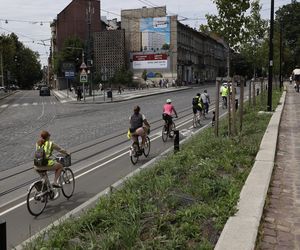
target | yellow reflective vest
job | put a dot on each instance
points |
(224, 91)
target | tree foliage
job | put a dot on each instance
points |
(21, 65)
(230, 21)
(123, 77)
(71, 52)
(289, 16)
(253, 49)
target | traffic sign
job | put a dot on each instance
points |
(83, 66)
(83, 78)
(69, 74)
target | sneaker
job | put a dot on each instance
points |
(55, 185)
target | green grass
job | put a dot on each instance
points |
(183, 202)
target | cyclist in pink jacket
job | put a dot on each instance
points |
(168, 110)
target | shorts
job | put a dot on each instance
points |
(51, 167)
(197, 108)
(167, 118)
(297, 77)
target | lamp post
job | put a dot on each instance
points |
(270, 77)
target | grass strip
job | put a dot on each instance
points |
(183, 202)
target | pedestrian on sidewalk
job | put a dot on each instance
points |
(120, 90)
(79, 94)
(100, 87)
(296, 76)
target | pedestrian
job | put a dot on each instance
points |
(296, 77)
(79, 94)
(100, 87)
(119, 90)
(206, 101)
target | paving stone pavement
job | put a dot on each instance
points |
(280, 225)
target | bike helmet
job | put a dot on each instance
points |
(168, 101)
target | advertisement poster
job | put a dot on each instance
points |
(150, 61)
(155, 33)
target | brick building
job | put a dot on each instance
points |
(73, 21)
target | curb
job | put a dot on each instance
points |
(240, 230)
(2, 97)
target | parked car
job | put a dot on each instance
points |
(45, 91)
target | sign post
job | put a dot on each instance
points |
(83, 77)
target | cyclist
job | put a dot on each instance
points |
(139, 125)
(168, 110)
(206, 101)
(296, 77)
(197, 104)
(224, 91)
(52, 164)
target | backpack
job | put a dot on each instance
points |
(195, 101)
(40, 157)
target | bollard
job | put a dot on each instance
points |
(3, 235)
(236, 104)
(257, 92)
(176, 140)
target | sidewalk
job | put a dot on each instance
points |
(67, 96)
(280, 226)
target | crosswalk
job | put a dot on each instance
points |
(15, 105)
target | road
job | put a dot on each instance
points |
(95, 134)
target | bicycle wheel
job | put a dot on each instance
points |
(134, 157)
(172, 128)
(68, 182)
(36, 199)
(147, 147)
(164, 133)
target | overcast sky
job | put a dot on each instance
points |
(30, 19)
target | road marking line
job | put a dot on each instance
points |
(15, 105)
(104, 163)
(43, 111)
(25, 104)
(4, 105)
(35, 103)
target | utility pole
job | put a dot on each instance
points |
(89, 60)
(280, 56)
(1, 68)
(270, 77)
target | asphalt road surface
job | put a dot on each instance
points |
(95, 134)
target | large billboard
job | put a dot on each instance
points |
(155, 32)
(150, 61)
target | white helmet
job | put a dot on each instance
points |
(168, 101)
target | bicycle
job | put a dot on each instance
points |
(197, 119)
(136, 151)
(42, 190)
(168, 130)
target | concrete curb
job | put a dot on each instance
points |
(241, 230)
(9, 94)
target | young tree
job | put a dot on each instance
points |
(256, 29)
(230, 23)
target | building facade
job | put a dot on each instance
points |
(109, 52)
(75, 19)
(166, 48)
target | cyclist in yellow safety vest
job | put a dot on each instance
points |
(52, 164)
(224, 91)
(197, 104)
